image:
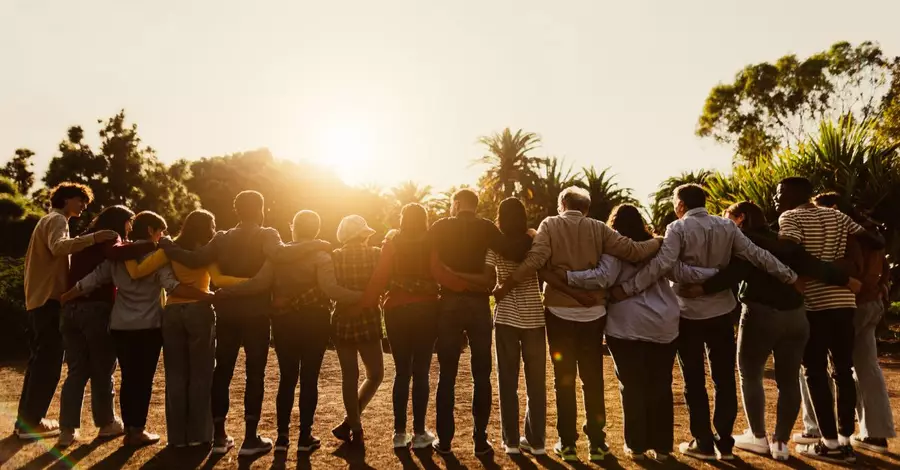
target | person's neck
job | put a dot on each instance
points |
(465, 212)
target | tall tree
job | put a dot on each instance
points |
(410, 192)
(510, 167)
(772, 106)
(18, 169)
(606, 194)
(554, 175)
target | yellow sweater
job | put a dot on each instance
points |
(196, 278)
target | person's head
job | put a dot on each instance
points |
(115, 218)
(148, 226)
(830, 199)
(305, 225)
(792, 192)
(747, 215)
(354, 229)
(198, 229)
(71, 198)
(627, 220)
(413, 219)
(687, 197)
(574, 198)
(464, 200)
(250, 207)
(511, 217)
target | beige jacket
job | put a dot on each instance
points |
(573, 242)
(47, 259)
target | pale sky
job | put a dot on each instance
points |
(395, 90)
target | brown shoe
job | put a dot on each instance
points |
(140, 438)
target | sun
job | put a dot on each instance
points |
(346, 146)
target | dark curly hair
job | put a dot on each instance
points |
(65, 191)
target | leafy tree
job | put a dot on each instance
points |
(606, 194)
(510, 167)
(18, 216)
(661, 212)
(19, 168)
(773, 106)
(411, 192)
(554, 175)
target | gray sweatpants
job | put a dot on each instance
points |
(873, 406)
(189, 351)
(783, 333)
(90, 355)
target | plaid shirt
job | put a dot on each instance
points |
(353, 268)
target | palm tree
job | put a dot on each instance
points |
(510, 168)
(605, 192)
(661, 212)
(410, 192)
(554, 175)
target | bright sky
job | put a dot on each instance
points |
(392, 90)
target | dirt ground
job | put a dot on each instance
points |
(378, 422)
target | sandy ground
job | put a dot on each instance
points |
(378, 422)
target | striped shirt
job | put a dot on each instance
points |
(522, 307)
(823, 233)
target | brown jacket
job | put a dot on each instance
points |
(573, 242)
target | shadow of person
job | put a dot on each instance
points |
(10, 446)
(451, 462)
(406, 459)
(71, 459)
(245, 462)
(279, 461)
(488, 461)
(171, 457)
(522, 461)
(354, 455)
(117, 459)
(425, 458)
(304, 461)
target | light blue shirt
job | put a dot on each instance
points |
(707, 241)
(138, 303)
(653, 314)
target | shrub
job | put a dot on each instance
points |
(12, 308)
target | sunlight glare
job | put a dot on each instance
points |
(346, 146)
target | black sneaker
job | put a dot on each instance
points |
(693, 449)
(282, 443)
(483, 447)
(342, 432)
(871, 444)
(308, 443)
(256, 445)
(820, 451)
(599, 452)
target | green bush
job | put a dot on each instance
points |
(894, 309)
(12, 308)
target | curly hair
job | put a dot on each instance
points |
(627, 220)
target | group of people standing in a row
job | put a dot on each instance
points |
(813, 289)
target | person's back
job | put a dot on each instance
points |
(651, 315)
(823, 233)
(462, 241)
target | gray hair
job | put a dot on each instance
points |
(574, 198)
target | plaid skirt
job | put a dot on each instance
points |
(358, 328)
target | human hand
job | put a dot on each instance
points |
(618, 293)
(69, 295)
(855, 285)
(500, 292)
(690, 291)
(101, 236)
(585, 298)
(800, 285)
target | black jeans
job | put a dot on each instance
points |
(236, 328)
(44, 364)
(301, 337)
(644, 370)
(831, 333)
(90, 355)
(138, 353)
(713, 337)
(516, 346)
(459, 315)
(412, 332)
(576, 349)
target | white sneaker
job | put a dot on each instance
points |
(527, 447)
(67, 437)
(512, 450)
(401, 440)
(422, 441)
(114, 429)
(751, 443)
(779, 451)
(631, 455)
